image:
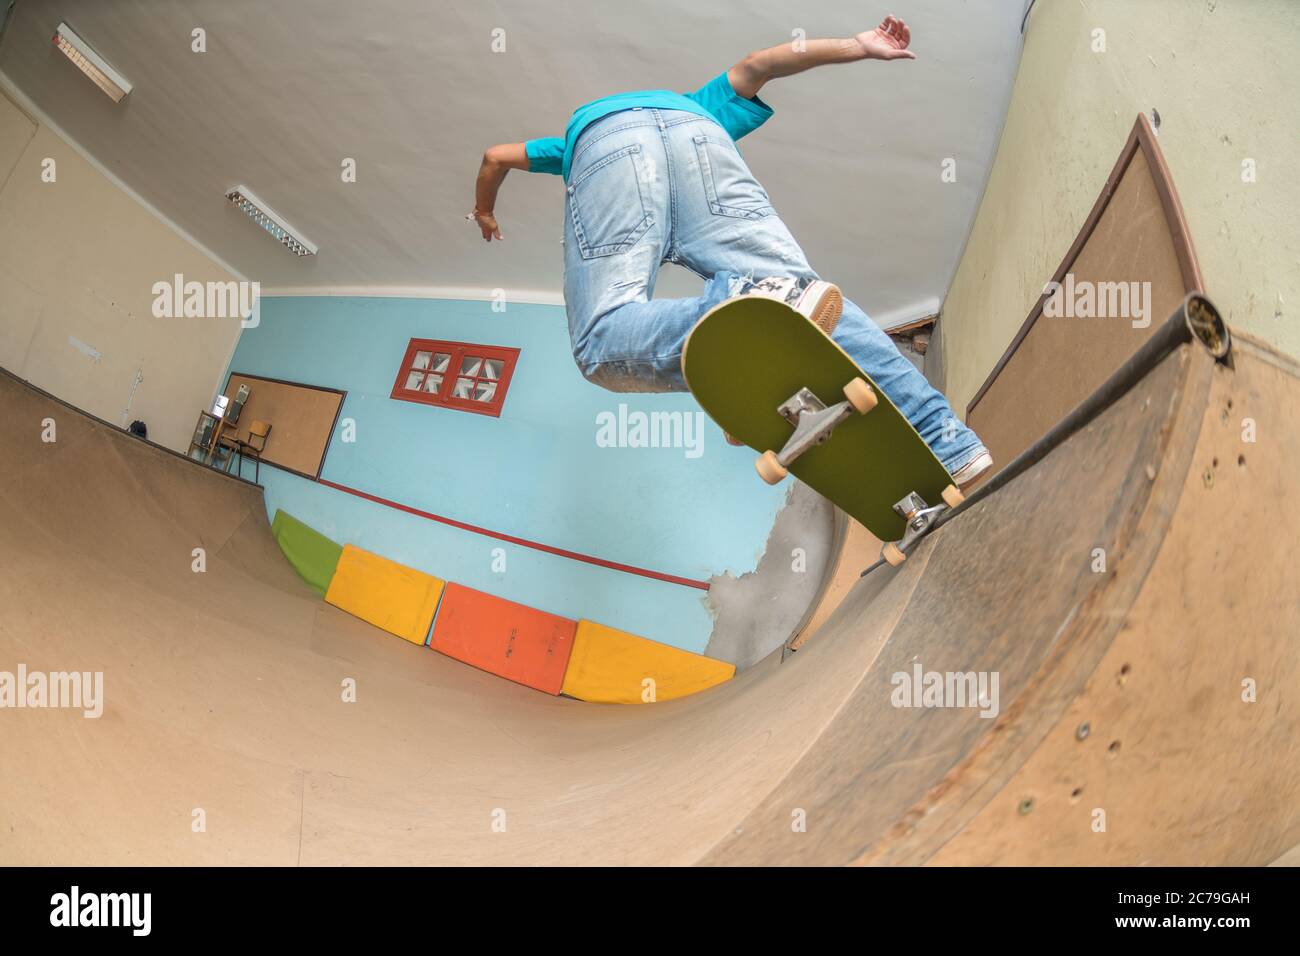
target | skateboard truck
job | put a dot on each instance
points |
(920, 518)
(813, 422)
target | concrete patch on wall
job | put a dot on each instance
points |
(756, 613)
(934, 367)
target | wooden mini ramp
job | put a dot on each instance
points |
(1119, 697)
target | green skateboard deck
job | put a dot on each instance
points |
(748, 356)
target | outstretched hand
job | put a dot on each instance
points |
(487, 223)
(888, 41)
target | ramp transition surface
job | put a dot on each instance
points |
(1120, 689)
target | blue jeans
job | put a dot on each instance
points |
(649, 186)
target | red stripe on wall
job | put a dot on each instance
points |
(522, 542)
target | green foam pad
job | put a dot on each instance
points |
(312, 555)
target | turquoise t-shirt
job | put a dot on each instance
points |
(716, 100)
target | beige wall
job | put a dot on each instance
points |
(78, 258)
(1226, 81)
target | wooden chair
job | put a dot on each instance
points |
(258, 433)
(201, 441)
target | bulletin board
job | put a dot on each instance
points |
(302, 419)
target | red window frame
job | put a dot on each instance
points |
(443, 397)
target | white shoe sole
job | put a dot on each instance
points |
(820, 302)
(825, 311)
(968, 472)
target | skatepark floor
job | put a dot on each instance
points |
(223, 689)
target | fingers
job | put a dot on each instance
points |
(896, 31)
(488, 226)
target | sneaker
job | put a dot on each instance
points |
(818, 301)
(968, 472)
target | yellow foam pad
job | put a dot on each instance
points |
(388, 595)
(614, 667)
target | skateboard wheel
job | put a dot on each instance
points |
(769, 468)
(860, 395)
(892, 554)
(952, 497)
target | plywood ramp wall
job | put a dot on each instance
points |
(301, 417)
(1135, 234)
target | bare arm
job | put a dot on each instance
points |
(886, 42)
(497, 161)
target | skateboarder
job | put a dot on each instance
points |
(653, 177)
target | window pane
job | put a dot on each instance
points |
(451, 374)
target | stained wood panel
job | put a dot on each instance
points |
(1135, 234)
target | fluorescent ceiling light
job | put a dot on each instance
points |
(91, 63)
(266, 217)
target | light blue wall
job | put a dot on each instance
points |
(536, 472)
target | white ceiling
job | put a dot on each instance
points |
(412, 91)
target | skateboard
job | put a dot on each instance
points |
(773, 380)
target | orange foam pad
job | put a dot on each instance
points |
(389, 595)
(511, 640)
